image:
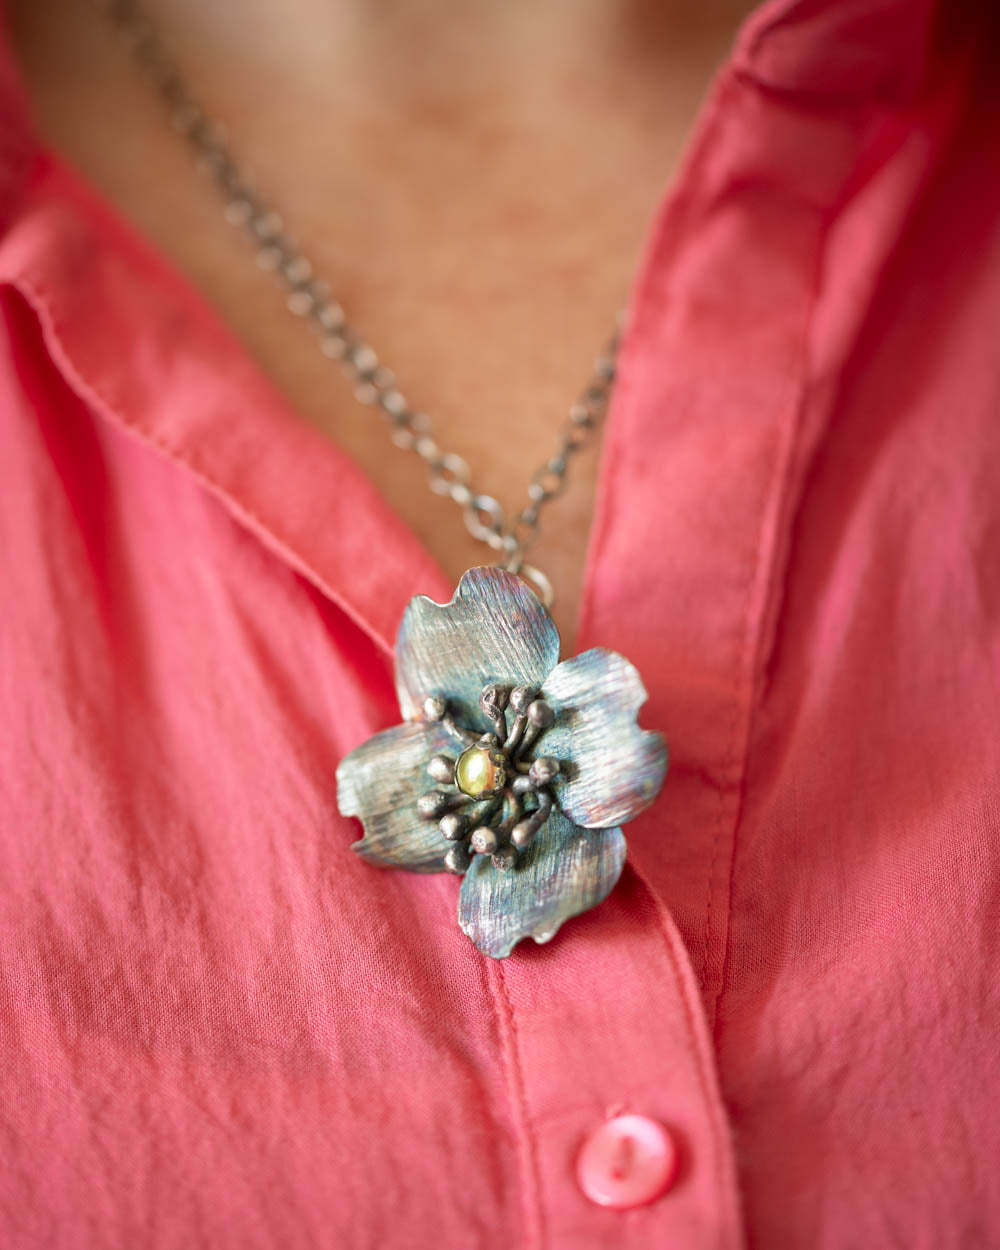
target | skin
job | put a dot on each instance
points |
(477, 182)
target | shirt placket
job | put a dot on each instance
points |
(707, 445)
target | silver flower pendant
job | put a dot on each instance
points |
(510, 769)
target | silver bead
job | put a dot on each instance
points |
(523, 833)
(484, 840)
(456, 859)
(435, 706)
(301, 302)
(433, 804)
(544, 770)
(454, 826)
(521, 697)
(541, 714)
(364, 360)
(393, 403)
(494, 699)
(505, 857)
(266, 225)
(330, 315)
(442, 768)
(297, 270)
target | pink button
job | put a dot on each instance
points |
(626, 1162)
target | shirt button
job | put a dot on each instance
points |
(626, 1162)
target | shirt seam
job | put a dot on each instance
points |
(534, 1217)
(781, 530)
(38, 299)
(766, 577)
(712, 1098)
(722, 98)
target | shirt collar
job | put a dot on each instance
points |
(147, 353)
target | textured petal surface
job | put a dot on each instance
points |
(567, 871)
(380, 782)
(612, 768)
(495, 629)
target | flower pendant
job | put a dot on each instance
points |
(511, 769)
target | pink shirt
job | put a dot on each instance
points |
(219, 1027)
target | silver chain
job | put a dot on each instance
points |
(309, 298)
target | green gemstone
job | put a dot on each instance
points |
(479, 771)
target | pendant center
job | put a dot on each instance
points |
(481, 772)
(495, 797)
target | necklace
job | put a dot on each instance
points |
(536, 763)
(308, 297)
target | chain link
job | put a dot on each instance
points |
(308, 297)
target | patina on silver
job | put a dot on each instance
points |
(529, 766)
(497, 795)
(308, 297)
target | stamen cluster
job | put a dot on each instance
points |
(492, 798)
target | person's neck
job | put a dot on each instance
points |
(433, 56)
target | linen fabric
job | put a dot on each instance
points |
(220, 1028)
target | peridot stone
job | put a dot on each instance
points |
(479, 771)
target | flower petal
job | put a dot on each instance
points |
(567, 870)
(612, 769)
(495, 629)
(380, 782)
